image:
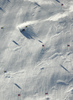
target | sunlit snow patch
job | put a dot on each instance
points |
(41, 2)
(23, 25)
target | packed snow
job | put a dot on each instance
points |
(36, 49)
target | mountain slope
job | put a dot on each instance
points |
(36, 49)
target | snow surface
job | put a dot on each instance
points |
(34, 54)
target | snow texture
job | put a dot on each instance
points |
(36, 49)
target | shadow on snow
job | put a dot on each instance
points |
(64, 68)
(15, 42)
(17, 85)
(58, 1)
(28, 33)
(1, 9)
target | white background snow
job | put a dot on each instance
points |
(32, 69)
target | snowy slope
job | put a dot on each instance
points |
(36, 49)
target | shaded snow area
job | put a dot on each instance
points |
(36, 49)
